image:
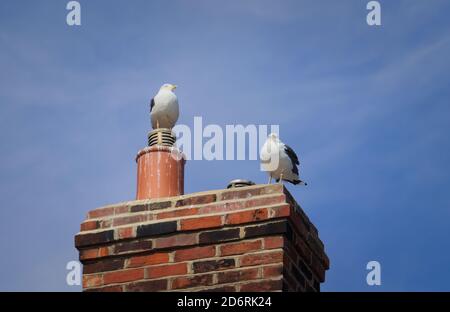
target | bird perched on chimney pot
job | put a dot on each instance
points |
(279, 161)
(164, 109)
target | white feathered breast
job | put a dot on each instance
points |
(165, 109)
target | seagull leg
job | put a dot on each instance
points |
(270, 179)
(157, 124)
(281, 179)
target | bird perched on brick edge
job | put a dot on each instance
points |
(279, 161)
(164, 108)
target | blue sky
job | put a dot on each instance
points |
(366, 108)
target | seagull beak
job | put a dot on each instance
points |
(174, 87)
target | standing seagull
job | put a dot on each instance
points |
(164, 107)
(279, 161)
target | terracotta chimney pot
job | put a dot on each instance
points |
(160, 172)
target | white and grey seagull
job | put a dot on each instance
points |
(164, 108)
(279, 161)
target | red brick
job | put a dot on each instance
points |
(148, 286)
(94, 280)
(227, 288)
(240, 194)
(156, 258)
(139, 208)
(261, 258)
(201, 223)
(121, 210)
(247, 216)
(282, 211)
(89, 225)
(273, 242)
(86, 254)
(103, 251)
(240, 248)
(286, 261)
(102, 212)
(123, 276)
(196, 200)
(290, 281)
(318, 268)
(115, 288)
(238, 275)
(177, 213)
(129, 220)
(213, 265)
(124, 233)
(265, 201)
(139, 245)
(262, 286)
(195, 253)
(315, 244)
(299, 225)
(86, 239)
(159, 228)
(303, 250)
(299, 277)
(166, 270)
(150, 206)
(273, 189)
(176, 240)
(103, 265)
(159, 205)
(213, 237)
(237, 205)
(290, 252)
(266, 229)
(192, 281)
(272, 271)
(221, 207)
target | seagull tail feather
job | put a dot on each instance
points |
(295, 182)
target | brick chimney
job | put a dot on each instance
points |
(252, 238)
(244, 238)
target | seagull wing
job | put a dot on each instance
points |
(290, 152)
(293, 157)
(152, 103)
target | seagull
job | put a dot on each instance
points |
(279, 161)
(164, 107)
